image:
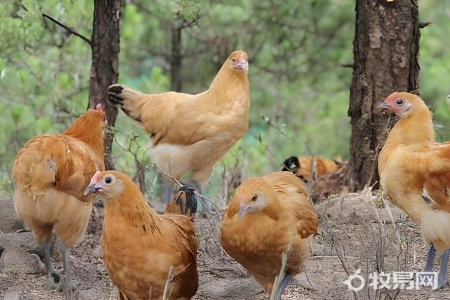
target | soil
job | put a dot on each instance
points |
(357, 232)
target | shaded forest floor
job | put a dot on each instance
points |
(357, 232)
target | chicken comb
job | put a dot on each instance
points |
(96, 177)
(99, 106)
(392, 96)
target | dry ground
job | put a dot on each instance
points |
(357, 231)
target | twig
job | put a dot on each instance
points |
(169, 279)
(341, 259)
(307, 287)
(319, 257)
(280, 277)
(260, 140)
(68, 29)
(424, 24)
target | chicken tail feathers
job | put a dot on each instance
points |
(115, 94)
(291, 164)
(125, 98)
(184, 202)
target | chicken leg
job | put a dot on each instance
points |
(48, 262)
(65, 283)
(283, 283)
(443, 268)
(430, 258)
(66, 263)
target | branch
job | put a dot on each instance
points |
(351, 66)
(424, 24)
(68, 29)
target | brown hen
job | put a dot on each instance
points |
(50, 174)
(147, 256)
(411, 164)
(269, 216)
(307, 167)
(191, 133)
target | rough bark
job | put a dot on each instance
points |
(105, 60)
(386, 49)
(175, 60)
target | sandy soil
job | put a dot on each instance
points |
(357, 232)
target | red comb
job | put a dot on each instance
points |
(96, 177)
(391, 97)
(99, 106)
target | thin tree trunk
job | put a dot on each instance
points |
(175, 59)
(386, 49)
(105, 61)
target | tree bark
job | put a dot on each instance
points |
(175, 59)
(105, 63)
(386, 49)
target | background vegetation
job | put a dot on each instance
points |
(299, 51)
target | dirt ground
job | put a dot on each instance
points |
(357, 232)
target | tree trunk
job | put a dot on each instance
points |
(386, 49)
(175, 59)
(105, 62)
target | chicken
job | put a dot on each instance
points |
(269, 216)
(184, 202)
(191, 133)
(50, 174)
(146, 255)
(305, 167)
(410, 163)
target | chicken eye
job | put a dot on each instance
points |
(108, 180)
(399, 101)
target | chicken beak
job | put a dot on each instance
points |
(242, 210)
(91, 188)
(241, 65)
(380, 107)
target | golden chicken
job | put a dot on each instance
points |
(50, 174)
(147, 256)
(412, 162)
(191, 133)
(269, 216)
(306, 168)
(184, 202)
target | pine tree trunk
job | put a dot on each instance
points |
(175, 60)
(105, 62)
(386, 49)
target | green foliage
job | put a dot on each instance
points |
(44, 72)
(188, 9)
(299, 89)
(434, 66)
